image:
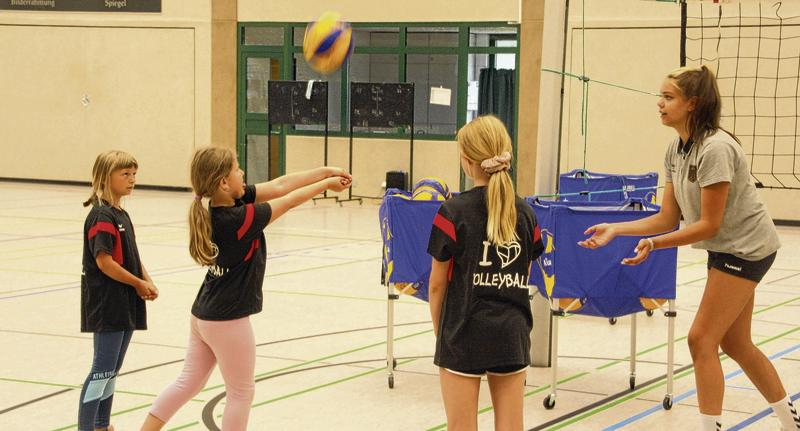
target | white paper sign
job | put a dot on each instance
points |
(440, 96)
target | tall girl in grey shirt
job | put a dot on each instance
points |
(709, 183)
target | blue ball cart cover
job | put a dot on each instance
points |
(405, 229)
(583, 185)
(605, 286)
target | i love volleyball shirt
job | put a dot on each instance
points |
(232, 287)
(486, 315)
(106, 304)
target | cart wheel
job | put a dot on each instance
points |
(632, 382)
(667, 403)
(649, 313)
(612, 321)
(394, 364)
(549, 401)
(391, 382)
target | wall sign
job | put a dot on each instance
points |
(83, 5)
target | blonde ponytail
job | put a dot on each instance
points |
(209, 166)
(501, 225)
(201, 247)
(485, 139)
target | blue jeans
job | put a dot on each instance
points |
(94, 410)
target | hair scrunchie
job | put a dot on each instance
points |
(497, 163)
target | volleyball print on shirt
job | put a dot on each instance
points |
(505, 255)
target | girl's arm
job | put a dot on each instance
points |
(437, 287)
(665, 220)
(115, 271)
(713, 199)
(287, 183)
(280, 205)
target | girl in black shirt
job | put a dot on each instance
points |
(228, 237)
(114, 284)
(483, 242)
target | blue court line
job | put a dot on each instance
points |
(744, 388)
(762, 414)
(688, 394)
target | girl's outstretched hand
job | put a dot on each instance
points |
(338, 172)
(602, 234)
(338, 184)
(642, 250)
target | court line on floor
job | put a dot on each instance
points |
(72, 387)
(679, 374)
(192, 268)
(757, 417)
(208, 410)
(692, 392)
(571, 415)
(270, 373)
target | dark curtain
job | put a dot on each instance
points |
(496, 95)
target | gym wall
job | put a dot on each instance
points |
(633, 43)
(78, 83)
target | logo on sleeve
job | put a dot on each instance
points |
(120, 227)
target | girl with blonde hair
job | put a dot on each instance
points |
(709, 183)
(482, 243)
(114, 284)
(228, 238)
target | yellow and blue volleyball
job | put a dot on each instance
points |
(431, 188)
(328, 43)
(427, 195)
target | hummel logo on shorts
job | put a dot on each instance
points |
(735, 268)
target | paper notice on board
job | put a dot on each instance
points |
(440, 96)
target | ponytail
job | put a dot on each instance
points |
(209, 166)
(201, 248)
(501, 225)
(485, 141)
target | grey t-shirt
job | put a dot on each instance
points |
(747, 231)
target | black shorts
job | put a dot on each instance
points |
(506, 370)
(753, 270)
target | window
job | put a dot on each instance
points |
(431, 73)
(302, 72)
(376, 37)
(270, 36)
(484, 36)
(373, 68)
(259, 72)
(437, 58)
(432, 37)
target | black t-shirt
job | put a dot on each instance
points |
(106, 304)
(232, 287)
(486, 315)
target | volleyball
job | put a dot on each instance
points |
(427, 195)
(652, 303)
(570, 304)
(328, 43)
(431, 189)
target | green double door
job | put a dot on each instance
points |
(261, 157)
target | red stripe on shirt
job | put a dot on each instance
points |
(248, 221)
(445, 226)
(450, 270)
(537, 234)
(104, 226)
(253, 246)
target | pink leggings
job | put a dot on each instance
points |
(232, 344)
